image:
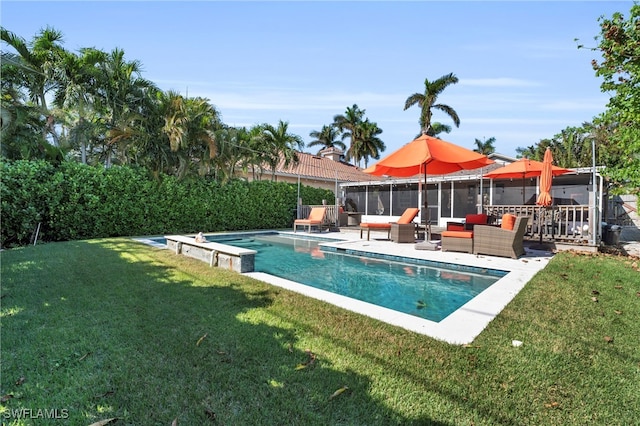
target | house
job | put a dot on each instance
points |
(450, 197)
(575, 216)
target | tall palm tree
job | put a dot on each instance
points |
(75, 96)
(326, 138)
(37, 62)
(278, 142)
(368, 144)
(123, 95)
(22, 128)
(203, 121)
(189, 127)
(348, 123)
(427, 102)
(234, 150)
(175, 118)
(487, 147)
(259, 152)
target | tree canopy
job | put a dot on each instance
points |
(619, 44)
(96, 107)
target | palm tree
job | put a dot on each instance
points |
(427, 102)
(326, 138)
(202, 121)
(189, 128)
(22, 128)
(348, 123)
(234, 150)
(368, 144)
(123, 94)
(485, 147)
(75, 96)
(573, 146)
(278, 142)
(36, 62)
(531, 151)
(437, 128)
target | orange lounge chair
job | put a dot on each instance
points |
(406, 218)
(316, 217)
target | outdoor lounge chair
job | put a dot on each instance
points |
(404, 220)
(316, 218)
(500, 241)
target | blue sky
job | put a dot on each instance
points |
(522, 77)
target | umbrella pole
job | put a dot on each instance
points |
(481, 194)
(541, 222)
(427, 229)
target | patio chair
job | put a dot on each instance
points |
(316, 218)
(459, 236)
(501, 241)
(404, 221)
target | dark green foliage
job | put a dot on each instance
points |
(75, 201)
(25, 190)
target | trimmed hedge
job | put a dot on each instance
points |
(75, 201)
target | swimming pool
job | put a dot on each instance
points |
(460, 327)
(422, 290)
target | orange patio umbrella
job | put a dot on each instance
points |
(524, 168)
(546, 175)
(428, 156)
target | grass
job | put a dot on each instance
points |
(117, 329)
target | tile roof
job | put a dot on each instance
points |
(318, 167)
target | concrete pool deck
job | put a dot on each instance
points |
(462, 326)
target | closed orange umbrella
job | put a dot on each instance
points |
(429, 156)
(546, 175)
(544, 199)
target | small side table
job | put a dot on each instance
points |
(403, 233)
(354, 218)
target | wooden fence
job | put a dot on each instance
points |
(561, 223)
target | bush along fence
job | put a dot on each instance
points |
(74, 201)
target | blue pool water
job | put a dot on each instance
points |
(426, 291)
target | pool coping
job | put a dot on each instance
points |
(463, 325)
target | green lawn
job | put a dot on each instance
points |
(99, 329)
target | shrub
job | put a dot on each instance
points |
(76, 201)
